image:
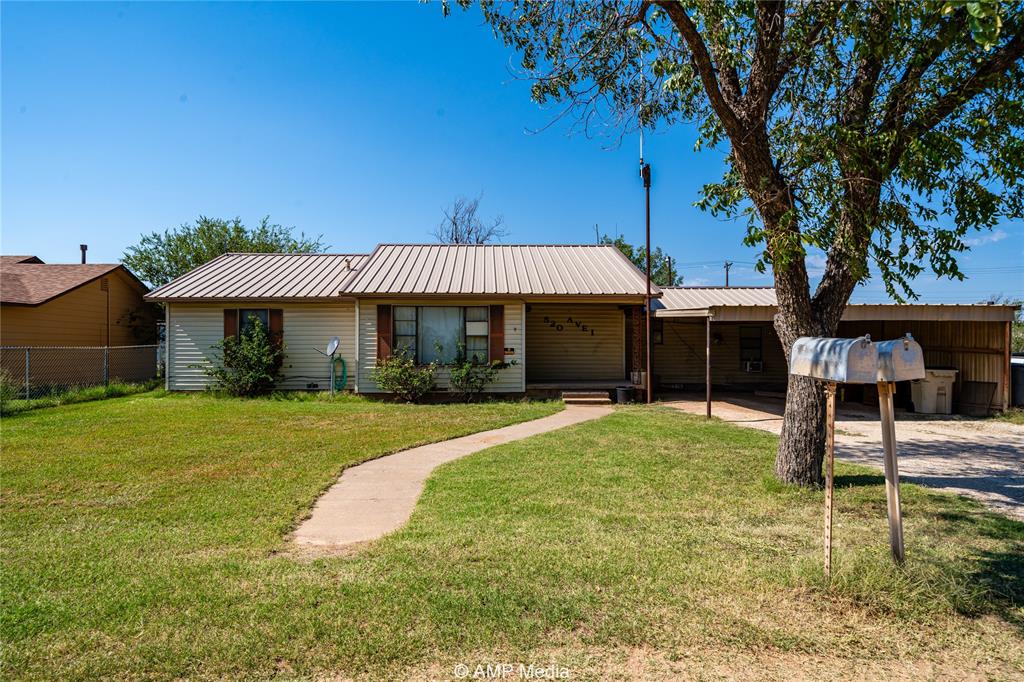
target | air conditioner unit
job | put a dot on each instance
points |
(753, 366)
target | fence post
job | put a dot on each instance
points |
(106, 365)
(28, 363)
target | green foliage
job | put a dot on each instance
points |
(467, 378)
(879, 132)
(664, 271)
(160, 257)
(249, 364)
(400, 375)
(10, 403)
(1017, 327)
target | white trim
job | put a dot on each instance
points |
(167, 347)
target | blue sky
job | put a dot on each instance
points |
(356, 121)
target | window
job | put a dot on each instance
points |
(751, 345)
(434, 333)
(440, 333)
(476, 333)
(405, 329)
(246, 315)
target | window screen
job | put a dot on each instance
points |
(476, 333)
(246, 316)
(405, 330)
(440, 333)
(751, 345)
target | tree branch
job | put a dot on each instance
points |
(985, 75)
(898, 101)
(770, 23)
(703, 63)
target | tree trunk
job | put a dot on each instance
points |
(802, 444)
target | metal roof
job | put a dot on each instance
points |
(240, 276)
(498, 269)
(702, 298)
(760, 303)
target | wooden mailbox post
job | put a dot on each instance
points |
(859, 361)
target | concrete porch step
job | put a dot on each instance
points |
(586, 398)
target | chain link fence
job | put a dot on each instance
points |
(37, 371)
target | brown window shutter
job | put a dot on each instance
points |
(383, 332)
(276, 330)
(230, 322)
(496, 343)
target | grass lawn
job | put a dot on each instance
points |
(1014, 415)
(145, 537)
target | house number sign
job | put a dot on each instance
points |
(570, 324)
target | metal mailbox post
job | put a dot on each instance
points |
(859, 361)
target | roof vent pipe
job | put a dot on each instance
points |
(84, 248)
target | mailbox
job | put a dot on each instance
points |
(900, 360)
(846, 361)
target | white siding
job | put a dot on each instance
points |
(509, 380)
(195, 328)
(192, 331)
(309, 326)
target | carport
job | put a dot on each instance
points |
(722, 338)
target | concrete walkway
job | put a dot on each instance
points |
(377, 497)
(980, 458)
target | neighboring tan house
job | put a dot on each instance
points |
(569, 316)
(72, 305)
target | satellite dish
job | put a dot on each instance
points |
(332, 345)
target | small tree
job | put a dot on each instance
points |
(249, 364)
(663, 274)
(467, 377)
(461, 225)
(400, 375)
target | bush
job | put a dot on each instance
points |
(400, 375)
(468, 379)
(249, 364)
(10, 389)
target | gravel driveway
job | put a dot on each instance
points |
(979, 458)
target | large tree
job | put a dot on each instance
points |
(876, 131)
(159, 257)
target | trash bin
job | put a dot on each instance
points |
(623, 395)
(934, 393)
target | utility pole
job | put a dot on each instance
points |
(597, 235)
(645, 174)
(727, 266)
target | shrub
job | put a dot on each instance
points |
(468, 378)
(10, 389)
(249, 364)
(400, 375)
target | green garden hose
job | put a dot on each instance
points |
(342, 381)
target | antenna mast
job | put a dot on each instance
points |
(645, 175)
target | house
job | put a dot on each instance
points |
(72, 305)
(563, 316)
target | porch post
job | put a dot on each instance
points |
(707, 364)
